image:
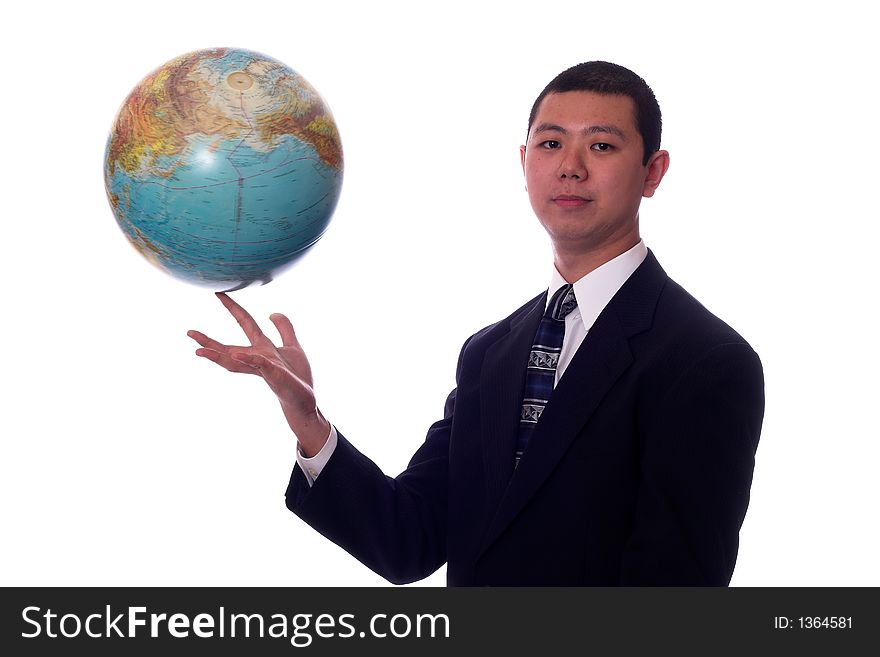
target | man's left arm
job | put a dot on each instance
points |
(696, 472)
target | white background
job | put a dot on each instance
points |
(126, 460)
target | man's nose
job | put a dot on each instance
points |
(573, 167)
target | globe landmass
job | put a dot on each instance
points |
(223, 167)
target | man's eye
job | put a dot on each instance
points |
(550, 143)
(602, 147)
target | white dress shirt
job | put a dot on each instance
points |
(593, 292)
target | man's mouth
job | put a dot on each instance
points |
(571, 201)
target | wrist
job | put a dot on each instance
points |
(312, 433)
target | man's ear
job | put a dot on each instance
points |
(522, 161)
(657, 166)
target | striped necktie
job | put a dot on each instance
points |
(541, 369)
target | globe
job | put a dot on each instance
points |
(223, 167)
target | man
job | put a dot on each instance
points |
(602, 434)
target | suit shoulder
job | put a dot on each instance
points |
(689, 348)
(687, 323)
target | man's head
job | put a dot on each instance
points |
(611, 79)
(590, 157)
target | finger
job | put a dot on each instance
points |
(245, 321)
(285, 330)
(254, 361)
(210, 343)
(225, 361)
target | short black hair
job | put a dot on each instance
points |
(608, 78)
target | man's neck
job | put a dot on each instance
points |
(574, 264)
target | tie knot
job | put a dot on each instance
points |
(562, 303)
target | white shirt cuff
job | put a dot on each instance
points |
(312, 467)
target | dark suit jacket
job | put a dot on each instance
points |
(638, 472)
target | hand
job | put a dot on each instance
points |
(285, 369)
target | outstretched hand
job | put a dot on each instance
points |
(285, 369)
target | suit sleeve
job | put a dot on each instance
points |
(395, 526)
(696, 471)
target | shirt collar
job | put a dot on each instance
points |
(596, 289)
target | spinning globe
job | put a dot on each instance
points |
(223, 167)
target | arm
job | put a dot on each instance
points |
(696, 472)
(397, 527)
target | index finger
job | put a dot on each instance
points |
(245, 321)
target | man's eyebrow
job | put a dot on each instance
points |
(550, 127)
(607, 129)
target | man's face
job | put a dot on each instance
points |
(584, 172)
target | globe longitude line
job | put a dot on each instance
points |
(240, 195)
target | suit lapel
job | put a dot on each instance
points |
(501, 384)
(598, 364)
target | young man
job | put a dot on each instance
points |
(603, 434)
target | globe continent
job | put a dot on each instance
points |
(223, 167)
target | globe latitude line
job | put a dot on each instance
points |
(305, 229)
(282, 169)
(299, 212)
(169, 250)
(231, 181)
